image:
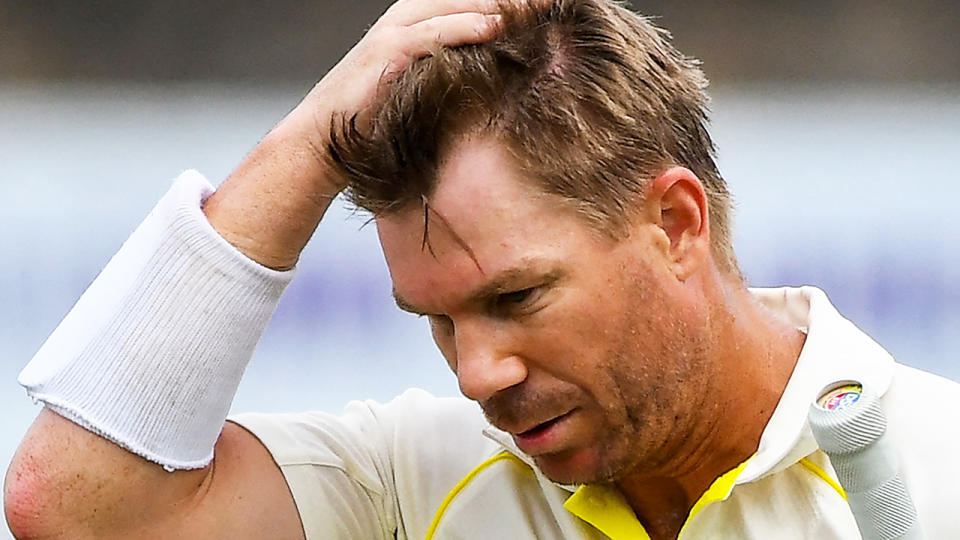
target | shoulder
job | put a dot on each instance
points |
(921, 411)
(919, 400)
(920, 408)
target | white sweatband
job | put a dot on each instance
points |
(151, 355)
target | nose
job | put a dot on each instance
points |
(486, 361)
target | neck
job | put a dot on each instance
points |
(755, 353)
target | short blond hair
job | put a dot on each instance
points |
(591, 99)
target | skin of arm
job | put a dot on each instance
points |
(66, 482)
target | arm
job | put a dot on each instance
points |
(67, 482)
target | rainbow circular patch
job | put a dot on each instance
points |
(840, 397)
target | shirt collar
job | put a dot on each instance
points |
(834, 350)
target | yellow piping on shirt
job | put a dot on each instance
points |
(462, 484)
(822, 474)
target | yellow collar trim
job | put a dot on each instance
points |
(604, 507)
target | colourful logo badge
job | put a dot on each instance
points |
(841, 397)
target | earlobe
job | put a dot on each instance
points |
(677, 199)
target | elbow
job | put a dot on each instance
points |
(31, 503)
(21, 504)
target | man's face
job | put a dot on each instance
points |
(578, 345)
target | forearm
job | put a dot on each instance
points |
(271, 204)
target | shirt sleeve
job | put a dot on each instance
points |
(376, 471)
(337, 467)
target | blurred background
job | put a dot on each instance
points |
(838, 126)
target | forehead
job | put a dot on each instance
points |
(483, 219)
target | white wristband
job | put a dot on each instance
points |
(151, 355)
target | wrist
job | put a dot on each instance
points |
(305, 133)
(271, 203)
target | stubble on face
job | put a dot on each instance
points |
(645, 393)
(660, 377)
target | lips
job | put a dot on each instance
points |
(526, 428)
(539, 428)
(543, 438)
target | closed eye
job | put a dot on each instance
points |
(519, 303)
(515, 297)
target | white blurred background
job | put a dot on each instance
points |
(843, 179)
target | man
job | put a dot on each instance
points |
(545, 192)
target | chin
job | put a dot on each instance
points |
(575, 467)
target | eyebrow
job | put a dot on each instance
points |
(504, 282)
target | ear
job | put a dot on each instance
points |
(676, 202)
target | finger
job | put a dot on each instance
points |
(411, 12)
(451, 31)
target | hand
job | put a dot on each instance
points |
(271, 204)
(409, 30)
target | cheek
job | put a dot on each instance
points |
(575, 346)
(602, 344)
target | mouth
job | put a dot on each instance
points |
(540, 428)
(544, 437)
